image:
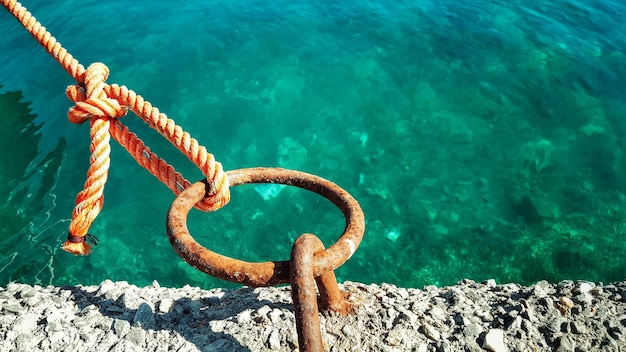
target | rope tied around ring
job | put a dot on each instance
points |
(102, 105)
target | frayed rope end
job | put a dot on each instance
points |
(81, 248)
(77, 244)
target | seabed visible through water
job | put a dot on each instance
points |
(483, 140)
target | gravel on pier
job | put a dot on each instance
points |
(470, 316)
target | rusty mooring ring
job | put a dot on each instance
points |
(257, 274)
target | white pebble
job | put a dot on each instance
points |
(263, 310)
(491, 283)
(275, 315)
(494, 341)
(585, 287)
(274, 340)
(244, 316)
(165, 305)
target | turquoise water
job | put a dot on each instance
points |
(483, 139)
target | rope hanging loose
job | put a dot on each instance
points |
(102, 105)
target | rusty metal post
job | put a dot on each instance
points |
(303, 293)
(332, 299)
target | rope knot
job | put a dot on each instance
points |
(217, 190)
(90, 97)
(101, 103)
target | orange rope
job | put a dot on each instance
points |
(103, 105)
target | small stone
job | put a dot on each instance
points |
(121, 300)
(565, 287)
(244, 317)
(514, 323)
(543, 284)
(527, 326)
(403, 293)
(54, 326)
(217, 325)
(491, 283)
(144, 315)
(529, 315)
(121, 327)
(472, 330)
(165, 305)
(483, 314)
(349, 331)
(275, 315)
(217, 346)
(387, 301)
(106, 286)
(494, 341)
(395, 337)
(539, 291)
(90, 336)
(14, 308)
(554, 325)
(617, 297)
(27, 292)
(6, 320)
(583, 298)
(545, 302)
(578, 327)
(602, 312)
(136, 336)
(422, 348)
(565, 344)
(438, 314)
(585, 287)
(263, 310)
(614, 329)
(566, 301)
(25, 324)
(274, 340)
(26, 342)
(431, 332)
(408, 316)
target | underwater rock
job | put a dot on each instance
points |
(545, 208)
(393, 235)
(291, 154)
(269, 191)
(538, 155)
(361, 136)
(591, 129)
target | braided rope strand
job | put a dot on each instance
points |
(149, 160)
(102, 105)
(90, 200)
(47, 41)
(182, 140)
